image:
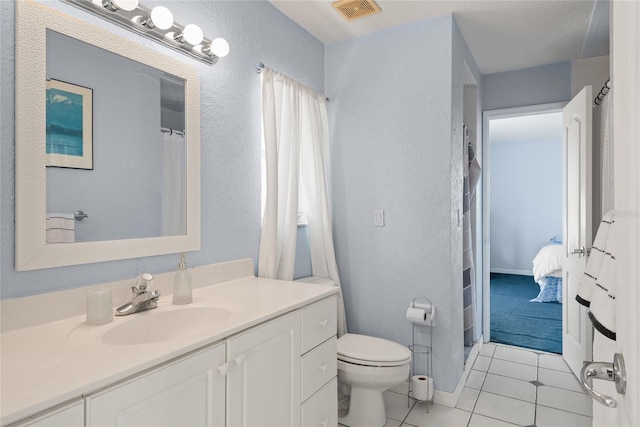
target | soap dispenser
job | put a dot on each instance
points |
(182, 284)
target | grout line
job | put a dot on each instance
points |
(535, 399)
(408, 412)
(508, 397)
(566, 410)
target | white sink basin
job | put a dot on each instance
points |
(155, 326)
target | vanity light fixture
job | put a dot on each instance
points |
(157, 24)
(114, 5)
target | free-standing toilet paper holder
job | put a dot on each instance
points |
(421, 350)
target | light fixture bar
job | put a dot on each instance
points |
(133, 21)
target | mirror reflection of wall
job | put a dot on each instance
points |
(136, 188)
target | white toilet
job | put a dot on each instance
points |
(370, 366)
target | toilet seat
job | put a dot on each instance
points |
(371, 351)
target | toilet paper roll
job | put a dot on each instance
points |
(422, 387)
(418, 316)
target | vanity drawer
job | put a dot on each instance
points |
(318, 367)
(322, 409)
(319, 322)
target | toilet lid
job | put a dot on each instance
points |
(372, 351)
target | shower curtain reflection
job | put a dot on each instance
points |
(173, 184)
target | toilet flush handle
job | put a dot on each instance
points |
(324, 422)
(324, 323)
(324, 367)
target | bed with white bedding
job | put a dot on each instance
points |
(547, 272)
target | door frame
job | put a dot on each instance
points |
(487, 116)
(625, 56)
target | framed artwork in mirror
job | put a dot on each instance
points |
(69, 125)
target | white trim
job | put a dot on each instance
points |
(487, 116)
(626, 128)
(31, 249)
(450, 399)
(510, 271)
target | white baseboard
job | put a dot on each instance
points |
(450, 399)
(510, 271)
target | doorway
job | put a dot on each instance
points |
(522, 211)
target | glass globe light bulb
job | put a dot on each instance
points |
(161, 17)
(219, 47)
(127, 5)
(192, 34)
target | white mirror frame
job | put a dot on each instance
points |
(31, 249)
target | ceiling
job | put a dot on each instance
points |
(503, 35)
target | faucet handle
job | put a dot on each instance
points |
(143, 281)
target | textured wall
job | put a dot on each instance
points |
(526, 200)
(530, 86)
(230, 135)
(392, 133)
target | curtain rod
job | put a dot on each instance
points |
(603, 92)
(261, 68)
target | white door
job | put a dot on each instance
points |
(577, 220)
(626, 131)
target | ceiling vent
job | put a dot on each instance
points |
(354, 9)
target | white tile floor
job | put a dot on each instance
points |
(507, 386)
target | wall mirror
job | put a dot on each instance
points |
(133, 163)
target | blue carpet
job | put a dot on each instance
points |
(516, 321)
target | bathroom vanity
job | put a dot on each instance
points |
(248, 351)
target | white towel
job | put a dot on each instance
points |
(61, 228)
(597, 287)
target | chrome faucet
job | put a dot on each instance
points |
(143, 298)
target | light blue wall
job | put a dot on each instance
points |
(230, 134)
(530, 86)
(396, 129)
(526, 200)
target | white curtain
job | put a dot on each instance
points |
(296, 137)
(173, 184)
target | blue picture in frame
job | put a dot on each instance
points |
(69, 125)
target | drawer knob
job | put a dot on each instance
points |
(223, 369)
(239, 360)
(324, 422)
(324, 323)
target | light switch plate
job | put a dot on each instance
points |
(378, 217)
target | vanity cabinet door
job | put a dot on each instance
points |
(189, 391)
(263, 383)
(71, 415)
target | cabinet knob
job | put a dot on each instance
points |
(223, 369)
(324, 422)
(323, 368)
(239, 360)
(324, 323)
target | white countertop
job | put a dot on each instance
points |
(46, 365)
